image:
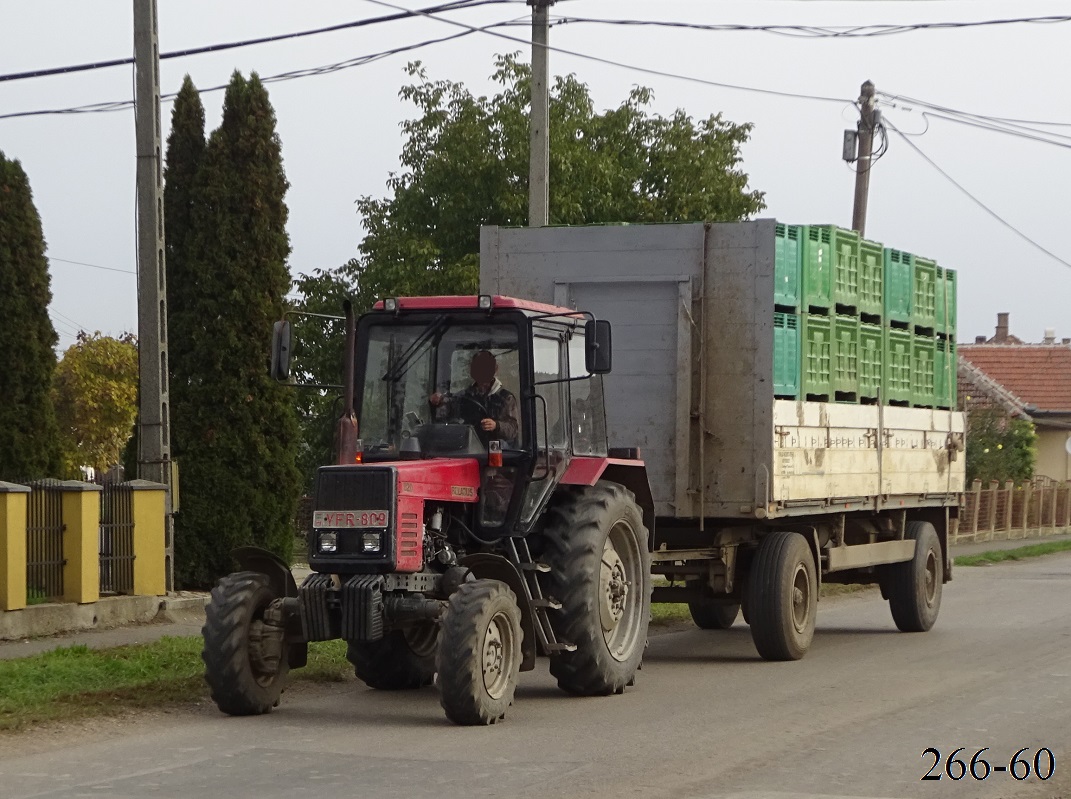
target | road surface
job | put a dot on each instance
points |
(706, 718)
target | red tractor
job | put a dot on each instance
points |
(474, 520)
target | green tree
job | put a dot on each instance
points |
(95, 391)
(234, 430)
(185, 152)
(999, 447)
(465, 164)
(29, 440)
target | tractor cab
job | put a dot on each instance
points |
(515, 386)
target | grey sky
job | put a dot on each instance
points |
(341, 137)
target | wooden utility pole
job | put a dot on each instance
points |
(867, 123)
(154, 433)
(539, 171)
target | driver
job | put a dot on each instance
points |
(485, 404)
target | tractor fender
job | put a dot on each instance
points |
(255, 559)
(485, 566)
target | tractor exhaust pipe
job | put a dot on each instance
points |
(348, 434)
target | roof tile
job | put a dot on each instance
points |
(1038, 374)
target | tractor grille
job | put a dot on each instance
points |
(355, 488)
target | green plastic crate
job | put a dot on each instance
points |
(896, 369)
(871, 359)
(922, 371)
(816, 339)
(899, 277)
(871, 280)
(945, 302)
(816, 269)
(786, 356)
(787, 263)
(846, 358)
(924, 294)
(945, 368)
(845, 270)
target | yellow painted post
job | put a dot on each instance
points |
(81, 541)
(13, 546)
(150, 563)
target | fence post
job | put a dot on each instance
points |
(994, 488)
(81, 541)
(1009, 498)
(976, 489)
(13, 546)
(149, 514)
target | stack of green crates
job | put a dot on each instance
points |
(855, 321)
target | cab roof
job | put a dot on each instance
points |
(464, 302)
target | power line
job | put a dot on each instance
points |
(815, 32)
(978, 202)
(633, 67)
(120, 105)
(93, 266)
(992, 118)
(215, 48)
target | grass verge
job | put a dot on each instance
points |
(1031, 551)
(77, 682)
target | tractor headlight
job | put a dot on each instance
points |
(371, 542)
(328, 542)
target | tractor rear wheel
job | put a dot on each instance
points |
(783, 597)
(596, 547)
(479, 653)
(710, 615)
(400, 660)
(914, 586)
(245, 657)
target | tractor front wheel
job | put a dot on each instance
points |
(244, 653)
(479, 653)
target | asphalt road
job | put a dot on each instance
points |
(706, 718)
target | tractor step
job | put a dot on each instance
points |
(553, 649)
(542, 568)
(546, 603)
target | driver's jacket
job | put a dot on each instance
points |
(472, 405)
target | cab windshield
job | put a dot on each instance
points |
(440, 372)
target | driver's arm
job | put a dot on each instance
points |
(507, 424)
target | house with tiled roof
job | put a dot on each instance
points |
(1029, 381)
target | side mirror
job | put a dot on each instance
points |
(597, 351)
(280, 351)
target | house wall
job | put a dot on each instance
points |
(1053, 459)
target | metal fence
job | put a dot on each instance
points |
(44, 541)
(999, 511)
(116, 539)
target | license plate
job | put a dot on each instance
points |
(336, 519)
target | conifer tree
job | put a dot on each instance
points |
(29, 439)
(237, 427)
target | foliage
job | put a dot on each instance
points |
(465, 163)
(234, 429)
(95, 391)
(29, 441)
(999, 447)
(1019, 553)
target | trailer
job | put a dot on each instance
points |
(756, 499)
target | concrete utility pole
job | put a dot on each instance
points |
(539, 173)
(154, 432)
(868, 118)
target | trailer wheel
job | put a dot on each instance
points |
(914, 586)
(245, 657)
(400, 660)
(710, 615)
(479, 652)
(783, 597)
(600, 572)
